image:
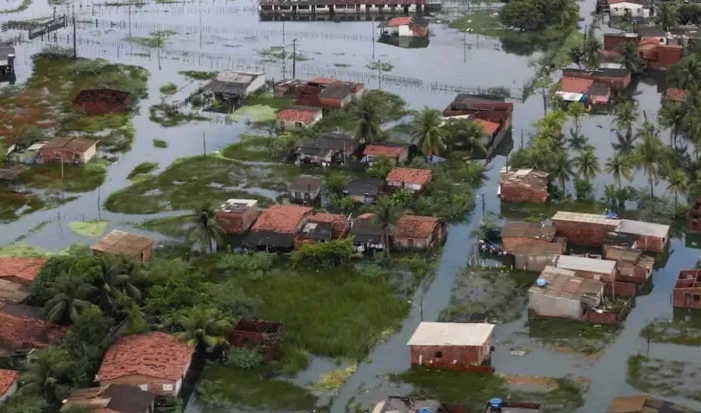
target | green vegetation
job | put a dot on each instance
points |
(251, 148)
(177, 227)
(188, 181)
(278, 53)
(21, 249)
(76, 178)
(226, 387)
(169, 88)
(254, 113)
(342, 65)
(323, 254)
(533, 15)
(160, 143)
(378, 65)
(15, 204)
(572, 336)
(663, 377)
(90, 229)
(333, 380)
(25, 4)
(680, 332)
(155, 40)
(198, 75)
(168, 115)
(142, 169)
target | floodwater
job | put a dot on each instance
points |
(219, 35)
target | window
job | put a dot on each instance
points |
(143, 387)
(438, 354)
(167, 387)
(697, 298)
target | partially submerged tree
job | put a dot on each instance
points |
(427, 131)
(205, 229)
(386, 215)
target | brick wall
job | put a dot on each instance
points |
(511, 192)
(450, 357)
(687, 298)
(582, 234)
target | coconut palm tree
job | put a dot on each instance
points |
(646, 154)
(47, 373)
(590, 52)
(577, 111)
(577, 141)
(561, 169)
(464, 135)
(619, 167)
(69, 295)
(587, 164)
(368, 129)
(203, 327)
(118, 281)
(671, 116)
(625, 116)
(630, 58)
(677, 183)
(205, 228)
(427, 131)
(386, 215)
(686, 74)
(667, 16)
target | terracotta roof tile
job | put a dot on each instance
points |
(24, 269)
(390, 151)
(339, 223)
(414, 226)
(299, 114)
(490, 128)
(120, 242)
(7, 379)
(281, 218)
(678, 95)
(78, 145)
(575, 85)
(22, 331)
(158, 355)
(399, 21)
(410, 175)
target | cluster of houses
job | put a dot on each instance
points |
(593, 87)
(658, 48)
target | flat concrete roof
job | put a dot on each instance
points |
(451, 334)
(575, 263)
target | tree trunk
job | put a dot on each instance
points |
(386, 242)
(652, 189)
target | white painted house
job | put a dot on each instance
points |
(630, 8)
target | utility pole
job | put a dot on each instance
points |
(372, 29)
(379, 73)
(129, 19)
(75, 44)
(204, 145)
(294, 58)
(284, 63)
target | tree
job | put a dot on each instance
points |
(380, 167)
(324, 254)
(619, 167)
(678, 183)
(671, 116)
(577, 111)
(205, 228)
(590, 52)
(69, 295)
(630, 58)
(625, 115)
(203, 327)
(118, 281)
(587, 165)
(335, 184)
(48, 372)
(577, 141)
(463, 135)
(530, 15)
(386, 215)
(686, 74)
(667, 16)
(427, 131)
(368, 129)
(561, 169)
(646, 154)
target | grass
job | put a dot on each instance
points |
(254, 113)
(227, 387)
(15, 204)
(169, 116)
(76, 178)
(169, 88)
(160, 143)
(142, 169)
(333, 380)
(342, 65)
(21, 249)
(155, 40)
(90, 229)
(572, 336)
(176, 227)
(278, 53)
(25, 4)
(189, 181)
(321, 313)
(676, 332)
(378, 65)
(198, 75)
(453, 387)
(250, 148)
(266, 99)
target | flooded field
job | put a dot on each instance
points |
(228, 34)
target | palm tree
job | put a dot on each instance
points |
(619, 167)
(591, 56)
(631, 60)
(47, 373)
(686, 74)
(368, 129)
(117, 284)
(678, 183)
(69, 295)
(625, 115)
(577, 141)
(427, 131)
(646, 154)
(577, 111)
(667, 16)
(671, 116)
(386, 215)
(463, 134)
(205, 228)
(587, 165)
(561, 169)
(203, 327)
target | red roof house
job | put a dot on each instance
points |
(418, 232)
(156, 362)
(398, 153)
(21, 270)
(322, 226)
(8, 383)
(677, 95)
(575, 85)
(22, 327)
(298, 117)
(277, 226)
(412, 179)
(69, 150)
(405, 26)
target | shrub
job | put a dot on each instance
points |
(253, 265)
(244, 358)
(160, 143)
(169, 88)
(324, 254)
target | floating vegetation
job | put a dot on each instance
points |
(160, 143)
(169, 88)
(333, 380)
(90, 229)
(378, 65)
(198, 75)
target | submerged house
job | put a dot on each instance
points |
(16, 277)
(633, 266)
(398, 153)
(418, 232)
(631, 8)
(232, 88)
(235, 216)
(276, 227)
(411, 179)
(533, 246)
(113, 398)
(644, 404)
(298, 117)
(397, 404)
(405, 26)
(323, 227)
(364, 190)
(453, 346)
(305, 190)
(23, 327)
(102, 101)
(687, 290)
(328, 150)
(68, 150)
(8, 383)
(367, 235)
(584, 90)
(321, 92)
(560, 293)
(523, 185)
(492, 113)
(7, 60)
(156, 362)
(262, 336)
(134, 246)
(616, 76)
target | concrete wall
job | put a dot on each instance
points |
(158, 387)
(652, 244)
(550, 306)
(629, 9)
(511, 192)
(256, 85)
(533, 262)
(687, 298)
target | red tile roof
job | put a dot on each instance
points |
(24, 269)
(390, 151)
(339, 223)
(281, 218)
(490, 128)
(323, 80)
(399, 21)
(22, 331)
(299, 114)
(415, 226)
(7, 379)
(75, 145)
(158, 355)
(575, 85)
(677, 95)
(410, 175)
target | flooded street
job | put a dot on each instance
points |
(220, 35)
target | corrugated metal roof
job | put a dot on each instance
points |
(585, 218)
(451, 334)
(643, 228)
(564, 283)
(575, 263)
